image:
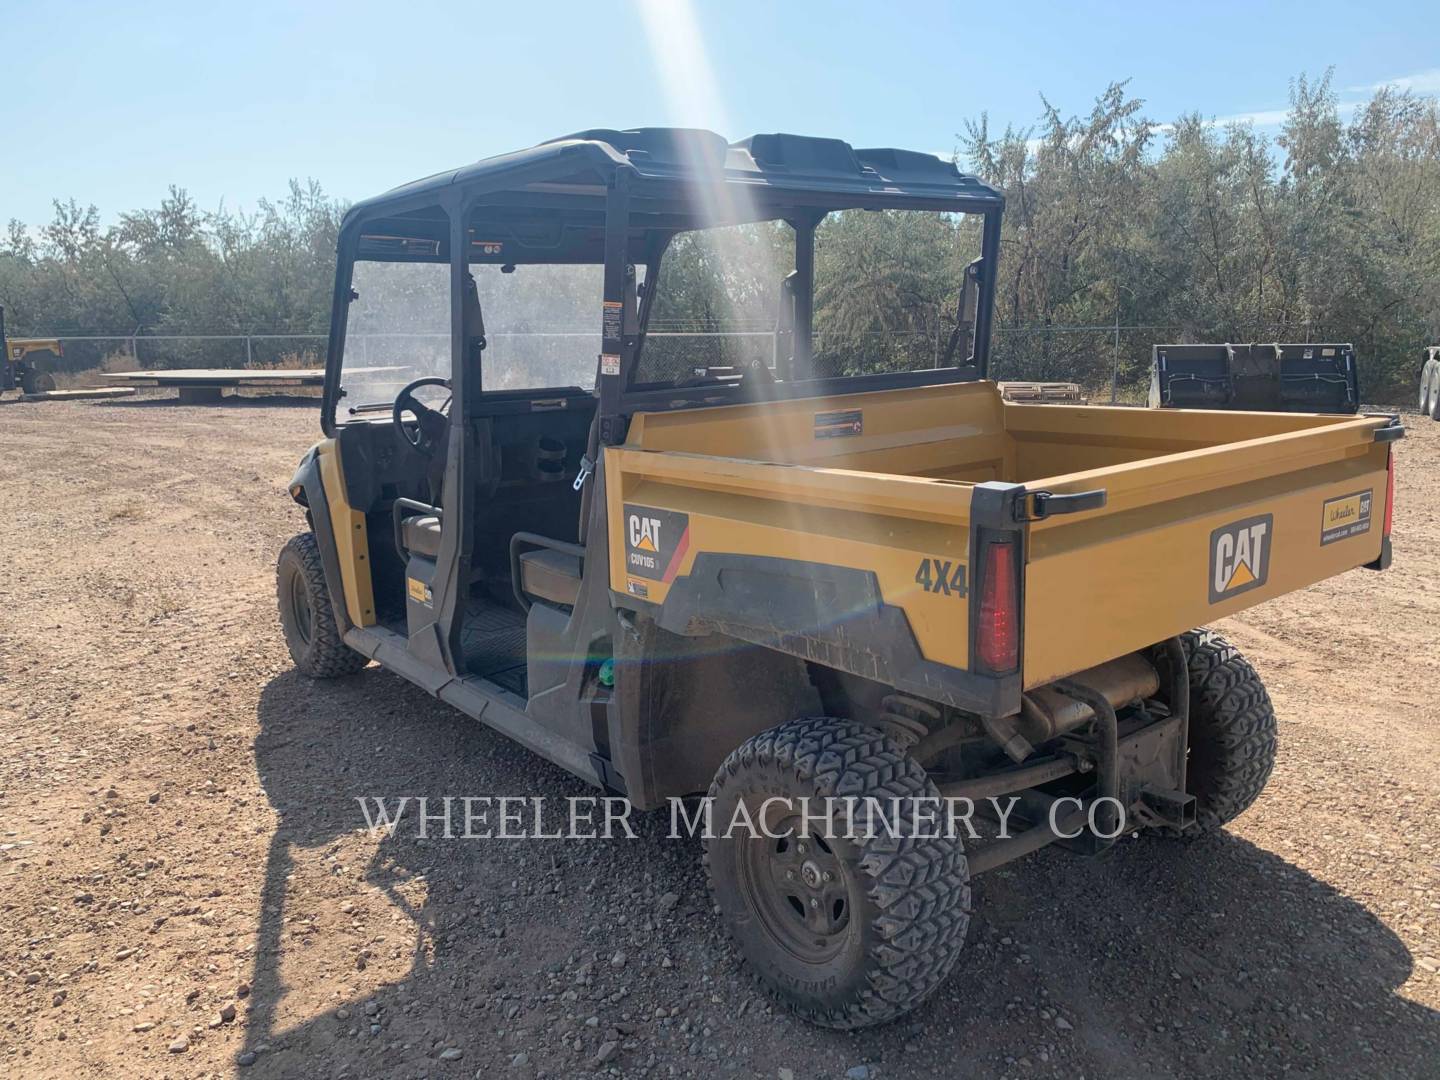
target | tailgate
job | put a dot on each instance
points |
(1191, 537)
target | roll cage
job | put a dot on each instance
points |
(617, 198)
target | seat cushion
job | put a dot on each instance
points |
(421, 535)
(550, 575)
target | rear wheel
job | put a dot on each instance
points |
(845, 929)
(1433, 409)
(37, 382)
(306, 615)
(1425, 390)
(1232, 733)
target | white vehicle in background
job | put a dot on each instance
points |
(1430, 383)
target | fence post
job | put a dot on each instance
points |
(249, 356)
(1115, 361)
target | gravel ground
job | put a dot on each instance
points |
(187, 888)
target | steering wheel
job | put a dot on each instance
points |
(426, 433)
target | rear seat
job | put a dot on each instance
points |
(550, 575)
(421, 535)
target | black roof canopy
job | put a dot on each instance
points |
(547, 203)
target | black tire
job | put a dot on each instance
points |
(1232, 733)
(1425, 390)
(1433, 411)
(904, 901)
(38, 382)
(306, 615)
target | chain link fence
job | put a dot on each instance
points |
(1110, 363)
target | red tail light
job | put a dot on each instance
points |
(1389, 491)
(997, 624)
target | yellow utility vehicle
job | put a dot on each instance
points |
(26, 361)
(763, 572)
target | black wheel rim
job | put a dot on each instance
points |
(300, 607)
(798, 889)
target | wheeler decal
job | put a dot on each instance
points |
(655, 542)
(420, 592)
(1345, 516)
(1240, 557)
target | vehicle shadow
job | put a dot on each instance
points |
(1186, 959)
(320, 746)
(1207, 960)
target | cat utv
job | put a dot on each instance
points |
(742, 563)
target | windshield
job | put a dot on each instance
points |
(541, 328)
(397, 330)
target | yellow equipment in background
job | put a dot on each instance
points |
(26, 361)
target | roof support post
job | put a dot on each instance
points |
(804, 337)
(441, 646)
(339, 318)
(989, 274)
(617, 331)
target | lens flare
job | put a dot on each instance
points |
(693, 99)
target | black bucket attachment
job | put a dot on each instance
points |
(1255, 378)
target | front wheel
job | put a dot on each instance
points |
(1232, 732)
(847, 926)
(306, 616)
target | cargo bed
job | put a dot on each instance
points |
(901, 486)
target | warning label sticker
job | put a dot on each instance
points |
(611, 320)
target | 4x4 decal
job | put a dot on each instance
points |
(943, 576)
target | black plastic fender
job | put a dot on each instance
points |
(307, 489)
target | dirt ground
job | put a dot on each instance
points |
(187, 888)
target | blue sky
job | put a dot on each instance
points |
(110, 103)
